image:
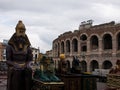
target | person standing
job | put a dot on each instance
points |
(18, 55)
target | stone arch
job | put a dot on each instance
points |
(62, 47)
(83, 37)
(75, 45)
(93, 35)
(83, 34)
(67, 45)
(117, 33)
(94, 65)
(94, 42)
(106, 33)
(118, 41)
(107, 41)
(83, 42)
(58, 48)
(83, 66)
(107, 64)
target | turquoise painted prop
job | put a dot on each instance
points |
(46, 72)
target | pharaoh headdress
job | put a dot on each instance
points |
(20, 31)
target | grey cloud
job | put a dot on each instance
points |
(45, 20)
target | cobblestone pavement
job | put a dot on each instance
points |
(2, 87)
(101, 86)
(3, 82)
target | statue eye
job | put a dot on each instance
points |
(21, 30)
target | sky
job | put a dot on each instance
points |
(45, 20)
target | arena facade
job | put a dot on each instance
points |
(96, 46)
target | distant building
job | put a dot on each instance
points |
(3, 50)
(49, 53)
(35, 52)
(3, 46)
(5, 42)
(97, 47)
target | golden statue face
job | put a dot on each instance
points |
(48, 66)
(20, 29)
(20, 32)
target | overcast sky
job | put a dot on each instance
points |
(45, 20)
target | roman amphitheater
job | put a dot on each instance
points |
(96, 46)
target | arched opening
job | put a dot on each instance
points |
(75, 45)
(94, 65)
(84, 48)
(83, 66)
(118, 41)
(107, 64)
(107, 41)
(62, 47)
(58, 49)
(67, 46)
(94, 42)
(83, 37)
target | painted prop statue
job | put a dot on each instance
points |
(116, 70)
(76, 66)
(63, 65)
(19, 54)
(46, 72)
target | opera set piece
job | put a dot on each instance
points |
(46, 72)
(113, 78)
(18, 55)
(46, 76)
(74, 78)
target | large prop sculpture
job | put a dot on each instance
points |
(113, 78)
(46, 72)
(63, 65)
(64, 68)
(19, 54)
(76, 67)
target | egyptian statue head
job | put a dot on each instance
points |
(19, 40)
(20, 29)
(48, 64)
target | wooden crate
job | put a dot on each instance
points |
(79, 82)
(89, 82)
(40, 85)
(72, 82)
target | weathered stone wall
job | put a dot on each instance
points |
(100, 55)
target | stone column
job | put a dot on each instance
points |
(88, 66)
(60, 46)
(53, 50)
(79, 47)
(100, 65)
(100, 46)
(65, 47)
(71, 48)
(114, 46)
(88, 46)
